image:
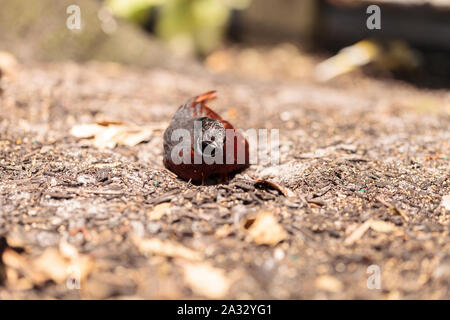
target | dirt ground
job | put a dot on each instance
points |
(367, 162)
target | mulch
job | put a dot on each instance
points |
(353, 151)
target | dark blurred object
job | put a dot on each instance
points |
(268, 21)
(424, 26)
(420, 24)
(382, 57)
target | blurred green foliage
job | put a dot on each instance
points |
(133, 10)
(189, 26)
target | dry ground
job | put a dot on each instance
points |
(368, 162)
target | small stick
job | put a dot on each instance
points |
(393, 208)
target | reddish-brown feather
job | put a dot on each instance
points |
(204, 110)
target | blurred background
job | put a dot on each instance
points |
(310, 40)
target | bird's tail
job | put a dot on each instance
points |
(207, 96)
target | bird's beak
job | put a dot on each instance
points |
(214, 148)
(214, 145)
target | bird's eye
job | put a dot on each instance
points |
(204, 145)
(213, 138)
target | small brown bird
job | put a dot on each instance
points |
(220, 147)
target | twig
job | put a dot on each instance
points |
(358, 233)
(393, 208)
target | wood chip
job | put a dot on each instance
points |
(382, 226)
(265, 229)
(8, 65)
(328, 283)
(446, 202)
(223, 231)
(159, 211)
(165, 248)
(358, 233)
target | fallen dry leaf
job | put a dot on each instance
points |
(206, 280)
(85, 131)
(50, 265)
(328, 283)
(158, 211)
(165, 248)
(62, 266)
(108, 134)
(17, 282)
(9, 260)
(265, 229)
